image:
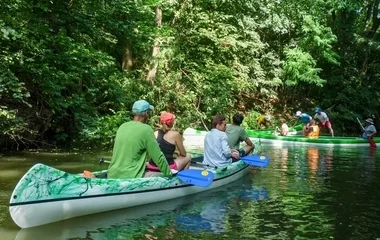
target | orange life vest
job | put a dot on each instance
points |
(314, 133)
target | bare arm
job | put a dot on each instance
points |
(179, 144)
(248, 141)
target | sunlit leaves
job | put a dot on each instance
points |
(301, 67)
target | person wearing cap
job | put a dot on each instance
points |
(323, 120)
(369, 129)
(303, 118)
(216, 149)
(263, 120)
(237, 134)
(170, 140)
(134, 141)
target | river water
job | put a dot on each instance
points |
(305, 193)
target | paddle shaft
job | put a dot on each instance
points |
(202, 164)
(361, 125)
(101, 160)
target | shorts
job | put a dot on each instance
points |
(153, 168)
(326, 124)
(241, 154)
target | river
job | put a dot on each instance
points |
(305, 193)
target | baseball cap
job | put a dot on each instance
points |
(298, 113)
(141, 106)
(318, 109)
(167, 118)
(267, 117)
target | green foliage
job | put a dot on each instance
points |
(301, 67)
(63, 77)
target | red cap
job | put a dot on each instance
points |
(167, 118)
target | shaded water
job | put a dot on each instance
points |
(305, 193)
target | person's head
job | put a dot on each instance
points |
(218, 122)
(318, 110)
(282, 120)
(237, 119)
(141, 109)
(369, 121)
(267, 118)
(167, 120)
(298, 113)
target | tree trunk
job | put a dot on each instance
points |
(375, 19)
(156, 49)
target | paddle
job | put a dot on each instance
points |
(256, 160)
(196, 177)
(370, 139)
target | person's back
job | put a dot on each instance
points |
(216, 149)
(134, 141)
(237, 134)
(284, 128)
(169, 140)
(263, 120)
(303, 117)
(312, 131)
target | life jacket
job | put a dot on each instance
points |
(314, 133)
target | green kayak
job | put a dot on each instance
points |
(196, 137)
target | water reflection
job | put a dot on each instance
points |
(305, 193)
(313, 159)
(213, 214)
(207, 213)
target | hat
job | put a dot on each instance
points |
(318, 109)
(298, 113)
(267, 117)
(369, 120)
(141, 106)
(167, 118)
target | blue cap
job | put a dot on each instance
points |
(318, 109)
(141, 106)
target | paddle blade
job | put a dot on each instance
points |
(256, 160)
(202, 178)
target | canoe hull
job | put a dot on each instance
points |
(42, 209)
(196, 138)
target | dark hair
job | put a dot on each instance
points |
(217, 119)
(237, 119)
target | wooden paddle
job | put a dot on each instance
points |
(370, 139)
(196, 177)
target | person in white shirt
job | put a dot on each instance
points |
(323, 120)
(217, 151)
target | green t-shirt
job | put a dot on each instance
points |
(134, 141)
(235, 134)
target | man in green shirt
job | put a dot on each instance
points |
(134, 141)
(237, 134)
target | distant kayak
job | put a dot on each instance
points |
(194, 137)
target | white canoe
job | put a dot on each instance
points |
(45, 194)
